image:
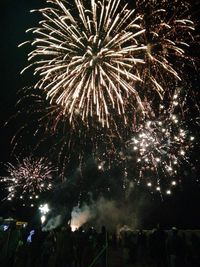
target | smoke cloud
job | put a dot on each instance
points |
(81, 215)
(114, 214)
(103, 212)
(53, 223)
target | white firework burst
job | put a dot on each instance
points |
(86, 57)
(27, 179)
(159, 148)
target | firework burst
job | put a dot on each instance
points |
(29, 178)
(85, 56)
(158, 150)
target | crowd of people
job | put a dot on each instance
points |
(159, 248)
(61, 247)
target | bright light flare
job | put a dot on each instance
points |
(44, 209)
(43, 219)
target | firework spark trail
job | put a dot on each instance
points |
(86, 58)
(169, 33)
(27, 179)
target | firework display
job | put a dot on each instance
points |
(112, 86)
(102, 59)
(28, 178)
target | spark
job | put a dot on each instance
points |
(168, 192)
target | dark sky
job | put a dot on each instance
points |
(15, 19)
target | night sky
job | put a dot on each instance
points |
(15, 18)
(181, 209)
